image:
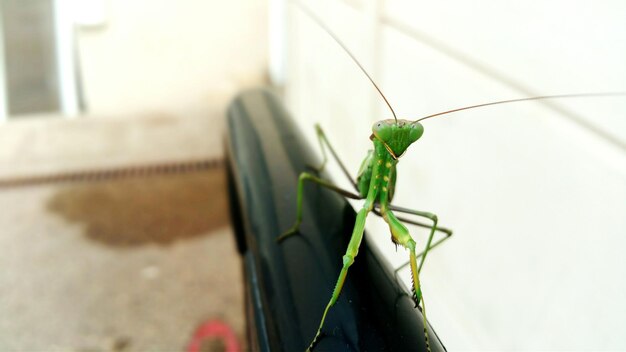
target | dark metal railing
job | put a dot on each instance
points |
(290, 283)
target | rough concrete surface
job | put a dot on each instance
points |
(49, 144)
(132, 264)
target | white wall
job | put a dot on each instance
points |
(536, 192)
(170, 56)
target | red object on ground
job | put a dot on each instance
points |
(217, 330)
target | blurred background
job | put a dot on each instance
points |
(536, 192)
(132, 263)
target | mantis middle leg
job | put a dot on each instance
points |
(305, 176)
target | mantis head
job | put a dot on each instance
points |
(398, 135)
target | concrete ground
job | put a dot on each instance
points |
(132, 264)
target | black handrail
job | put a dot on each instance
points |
(289, 284)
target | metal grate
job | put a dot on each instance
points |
(114, 173)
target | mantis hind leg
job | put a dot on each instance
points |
(323, 141)
(348, 259)
(305, 176)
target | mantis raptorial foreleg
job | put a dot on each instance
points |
(348, 259)
(427, 215)
(401, 236)
(305, 176)
(446, 231)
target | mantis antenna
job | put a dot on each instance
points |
(343, 46)
(586, 95)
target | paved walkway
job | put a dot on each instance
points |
(128, 264)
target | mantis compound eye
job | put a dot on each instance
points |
(382, 130)
(417, 130)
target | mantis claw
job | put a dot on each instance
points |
(292, 231)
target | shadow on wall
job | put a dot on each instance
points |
(152, 210)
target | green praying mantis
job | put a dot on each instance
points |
(375, 184)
